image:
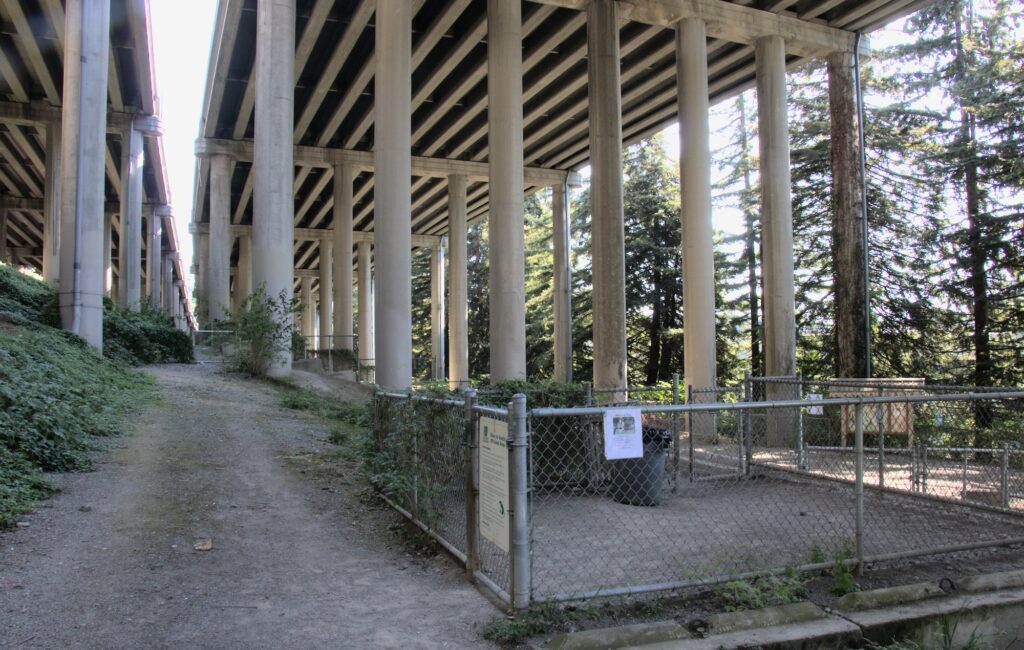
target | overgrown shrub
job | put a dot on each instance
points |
(143, 337)
(263, 330)
(26, 297)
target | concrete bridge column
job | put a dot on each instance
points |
(308, 309)
(273, 201)
(51, 207)
(167, 284)
(326, 293)
(437, 315)
(458, 310)
(392, 191)
(154, 263)
(130, 247)
(367, 344)
(218, 280)
(695, 187)
(108, 245)
(243, 279)
(342, 264)
(562, 281)
(606, 195)
(777, 233)
(505, 216)
(202, 255)
(84, 115)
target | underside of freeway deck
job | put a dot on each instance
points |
(32, 43)
(334, 91)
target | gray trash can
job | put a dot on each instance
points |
(640, 481)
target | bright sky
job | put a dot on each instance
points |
(182, 33)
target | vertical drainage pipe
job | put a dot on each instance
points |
(864, 201)
(519, 529)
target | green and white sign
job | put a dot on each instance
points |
(493, 504)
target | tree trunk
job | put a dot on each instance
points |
(849, 273)
(750, 246)
(654, 357)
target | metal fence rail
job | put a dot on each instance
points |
(539, 513)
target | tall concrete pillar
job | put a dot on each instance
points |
(776, 235)
(343, 256)
(326, 293)
(695, 206)
(437, 315)
(562, 284)
(606, 195)
(167, 285)
(202, 254)
(505, 216)
(273, 203)
(218, 280)
(458, 294)
(83, 147)
(367, 344)
(308, 309)
(51, 206)
(130, 247)
(243, 280)
(392, 191)
(154, 263)
(108, 244)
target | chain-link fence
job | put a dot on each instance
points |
(543, 505)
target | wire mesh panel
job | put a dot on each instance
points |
(493, 545)
(419, 462)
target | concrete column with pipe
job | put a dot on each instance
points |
(603, 62)
(108, 245)
(273, 202)
(154, 264)
(458, 283)
(695, 206)
(243, 280)
(342, 248)
(393, 191)
(202, 254)
(367, 346)
(326, 293)
(562, 284)
(130, 243)
(51, 207)
(83, 150)
(437, 312)
(167, 285)
(505, 215)
(308, 309)
(218, 280)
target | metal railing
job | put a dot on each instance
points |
(569, 523)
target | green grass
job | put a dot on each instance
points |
(766, 591)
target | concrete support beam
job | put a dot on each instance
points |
(130, 247)
(51, 206)
(505, 218)
(35, 113)
(734, 23)
(777, 230)
(326, 294)
(606, 195)
(363, 161)
(561, 284)
(695, 206)
(342, 256)
(437, 313)
(218, 280)
(154, 264)
(86, 43)
(367, 344)
(392, 194)
(273, 203)
(458, 309)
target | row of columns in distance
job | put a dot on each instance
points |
(76, 224)
(272, 222)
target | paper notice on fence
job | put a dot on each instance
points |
(815, 410)
(623, 434)
(493, 502)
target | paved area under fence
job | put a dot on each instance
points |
(774, 519)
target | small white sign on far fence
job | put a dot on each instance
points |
(493, 502)
(815, 410)
(623, 434)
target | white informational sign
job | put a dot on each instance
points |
(815, 410)
(623, 434)
(493, 502)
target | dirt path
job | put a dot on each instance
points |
(298, 559)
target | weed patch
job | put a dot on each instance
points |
(766, 591)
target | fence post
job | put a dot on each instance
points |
(748, 420)
(519, 516)
(588, 394)
(1005, 479)
(881, 447)
(859, 487)
(689, 420)
(801, 464)
(472, 488)
(675, 434)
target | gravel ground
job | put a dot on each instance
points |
(300, 557)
